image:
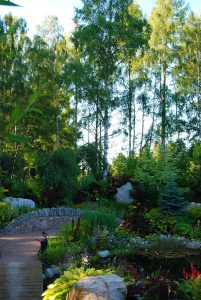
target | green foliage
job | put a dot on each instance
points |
(195, 170)
(185, 230)
(6, 213)
(149, 168)
(19, 189)
(21, 210)
(191, 288)
(172, 202)
(159, 222)
(100, 238)
(195, 213)
(89, 189)
(2, 192)
(8, 3)
(11, 166)
(55, 251)
(100, 219)
(59, 290)
(105, 205)
(89, 158)
(84, 181)
(146, 195)
(119, 165)
(59, 172)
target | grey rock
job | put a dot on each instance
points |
(17, 202)
(49, 273)
(193, 204)
(193, 245)
(55, 269)
(123, 194)
(104, 287)
(104, 254)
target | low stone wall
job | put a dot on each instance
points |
(42, 219)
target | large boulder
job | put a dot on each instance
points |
(193, 204)
(17, 202)
(104, 287)
(123, 194)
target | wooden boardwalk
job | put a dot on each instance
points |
(20, 270)
(20, 281)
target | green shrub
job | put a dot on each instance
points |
(195, 213)
(21, 210)
(6, 213)
(172, 201)
(145, 194)
(61, 287)
(195, 171)
(2, 192)
(59, 172)
(160, 223)
(19, 189)
(55, 251)
(184, 229)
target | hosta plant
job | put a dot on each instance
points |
(60, 288)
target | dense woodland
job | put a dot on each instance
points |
(118, 73)
(63, 101)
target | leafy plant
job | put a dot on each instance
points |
(6, 213)
(190, 287)
(160, 223)
(2, 192)
(184, 229)
(59, 290)
(195, 213)
(55, 251)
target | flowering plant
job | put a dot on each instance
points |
(190, 287)
(193, 275)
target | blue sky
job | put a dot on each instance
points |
(34, 11)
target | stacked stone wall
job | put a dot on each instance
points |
(42, 219)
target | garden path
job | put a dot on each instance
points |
(20, 270)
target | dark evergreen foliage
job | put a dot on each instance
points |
(172, 201)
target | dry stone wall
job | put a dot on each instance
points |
(42, 219)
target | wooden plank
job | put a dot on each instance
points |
(20, 281)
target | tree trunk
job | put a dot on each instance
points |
(76, 115)
(106, 129)
(134, 123)
(153, 115)
(163, 105)
(130, 96)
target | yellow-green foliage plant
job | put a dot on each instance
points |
(60, 288)
(6, 213)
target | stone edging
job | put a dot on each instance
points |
(44, 212)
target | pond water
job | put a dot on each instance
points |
(167, 260)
